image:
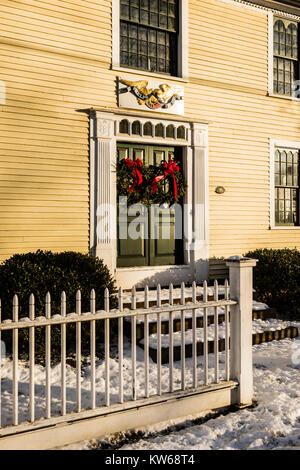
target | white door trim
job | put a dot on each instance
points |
(104, 135)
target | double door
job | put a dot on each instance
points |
(147, 236)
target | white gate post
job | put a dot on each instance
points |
(241, 290)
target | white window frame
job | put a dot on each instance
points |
(182, 43)
(270, 53)
(274, 144)
(271, 56)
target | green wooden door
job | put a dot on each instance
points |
(157, 244)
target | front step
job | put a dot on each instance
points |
(176, 301)
(260, 311)
(140, 295)
(257, 338)
(262, 314)
(165, 325)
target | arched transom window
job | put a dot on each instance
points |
(159, 130)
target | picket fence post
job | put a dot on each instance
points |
(241, 290)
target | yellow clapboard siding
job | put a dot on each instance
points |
(30, 236)
(55, 21)
(34, 143)
(62, 45)
(44, 246)
(55, 223)
(35, 188)
(36, 104)
(75, 118)
(39, 60)
(102, 11)
(31, 200)
(41, 123)
(54, 48)
(40, 157)
(43, 57)
(54, 137)
(61, 42)
(75, 6)
(55, 58)
(54, 165)
(55, 68)
(55, 230)
(41, 182)
(67, 31)
(26, 80)
(32, 84)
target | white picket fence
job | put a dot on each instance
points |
(121, 413)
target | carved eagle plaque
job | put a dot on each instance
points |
(151, 95)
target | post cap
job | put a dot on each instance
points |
(238, 260)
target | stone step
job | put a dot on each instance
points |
(257, 338)
(176, 301)
(263, 314)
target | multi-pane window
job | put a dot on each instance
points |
(286, 57)
(148, 35)
(287, 187)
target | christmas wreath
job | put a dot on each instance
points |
(162, 184)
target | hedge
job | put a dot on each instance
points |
(277, 280)
(44, 271)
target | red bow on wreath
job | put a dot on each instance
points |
(137, 177)
(168, 169)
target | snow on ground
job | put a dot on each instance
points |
(40, 374)
(258, 326)
(274, 423)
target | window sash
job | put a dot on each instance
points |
(148, 49)
(286, 179)
(147, 46)
(286, 66)
(161, 14)
(285, 74)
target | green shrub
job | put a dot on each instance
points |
(45, 271)
(277, 280)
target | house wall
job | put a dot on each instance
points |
(55, 61)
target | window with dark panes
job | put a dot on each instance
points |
(286, 56)
(287, 187)
(148, 35)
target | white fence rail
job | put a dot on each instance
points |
(119, 387)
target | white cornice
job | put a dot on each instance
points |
(245, 4)
(261, 8)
